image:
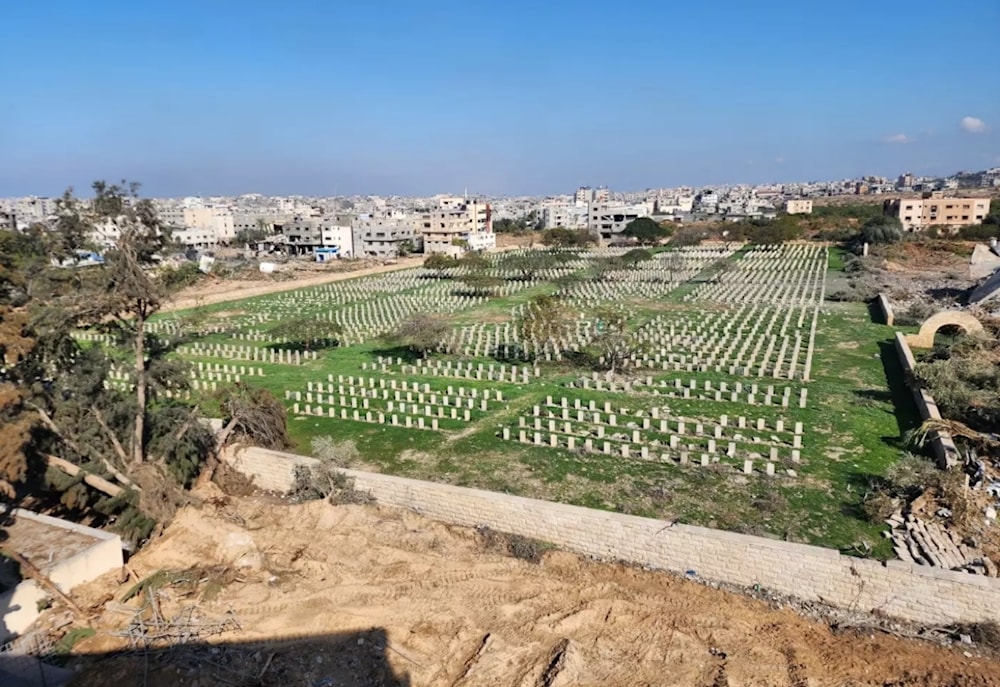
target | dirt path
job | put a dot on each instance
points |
(359, 595)
(237, 290)
(498, 417)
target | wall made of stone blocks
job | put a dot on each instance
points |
(905, 591)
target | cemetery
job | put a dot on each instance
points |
(726, 392)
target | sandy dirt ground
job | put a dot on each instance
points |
(231, 290)
(343, 596)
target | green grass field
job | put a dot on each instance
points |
(857, 413)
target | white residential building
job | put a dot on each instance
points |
(335, 233)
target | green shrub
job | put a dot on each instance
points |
(915, 314)
(882, 230)
(979, 232)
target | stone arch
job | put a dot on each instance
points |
(925, 337)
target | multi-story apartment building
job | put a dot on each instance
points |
(674, 205)
(338, 232)
(583, 196)
(799, 206)
(105, 234)
(564, 215)
(385, 237)
(303, 235)
(934, 209)
(254, 221)
(608, 220)
(193, 237)
(707, 201)
(199, 226)
(457, 224)
(8, 220)
(28, 211)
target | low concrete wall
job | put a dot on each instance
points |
(886, 309)
(20, 604)
(941, 443)
(902, 590)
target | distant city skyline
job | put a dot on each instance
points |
(517, 98)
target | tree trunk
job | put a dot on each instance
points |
(139, 425)
(96, 482)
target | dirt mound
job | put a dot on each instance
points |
(352, 595)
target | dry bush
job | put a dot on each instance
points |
(915, 314)
(326, 480)
(911, 474)
(985, 634)
(771, 502)
(879, 506)
(515, 545)
(953, 493)
(342, 454)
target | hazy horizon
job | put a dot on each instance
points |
(395, 98)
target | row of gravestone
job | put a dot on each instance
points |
(249, 353)
(646, 386)
(403, 385)
(625, 450)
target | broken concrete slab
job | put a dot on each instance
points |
(984, 261)
(987, 291)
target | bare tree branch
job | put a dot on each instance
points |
(32, 571)
(119, 449)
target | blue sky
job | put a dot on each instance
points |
(383, 96)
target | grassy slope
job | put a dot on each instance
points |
(857, 413)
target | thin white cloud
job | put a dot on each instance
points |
(974, 125)
(779, 160)
(897, 138)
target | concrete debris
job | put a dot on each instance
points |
(984, 261)
(988, 290)
(927, 543)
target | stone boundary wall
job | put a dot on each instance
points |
(885, 307)
(902, 590)
(941, 443)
